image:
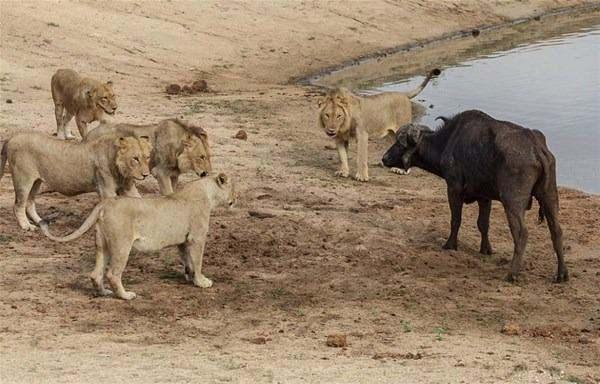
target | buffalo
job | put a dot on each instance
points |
(484, 159)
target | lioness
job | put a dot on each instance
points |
(86, 99)
(343, 115)
(150, 224)
(108, 165)
(178, 147)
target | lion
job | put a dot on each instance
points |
(109, 166)
(151, 224)
(343, 115)
(178, 147)
(86, 99)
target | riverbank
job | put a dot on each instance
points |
(338, 256)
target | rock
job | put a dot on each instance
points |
(9, 101)
(337, 341)
(261, 214)
(186, 89)
(199, 86)
(258, 340)
(511, 329)
(475, 32)
(173, 89)
(241, 135)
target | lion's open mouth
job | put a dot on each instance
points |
(110, 112)
(330, 134)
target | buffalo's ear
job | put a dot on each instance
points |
(221, 179)
(401, 138)
(414, 135)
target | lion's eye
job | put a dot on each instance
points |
(202, 157)
(136, 159)
(338, 117)
(327, 115)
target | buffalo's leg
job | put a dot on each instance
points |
(550, 206)
(455, 201)
(515, 213)
(483, 223)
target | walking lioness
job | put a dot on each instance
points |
(86, 99)
(343, 115)
(150, 224)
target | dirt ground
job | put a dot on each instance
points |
(336, 257)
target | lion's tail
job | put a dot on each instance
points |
(416, 91)
(3, 157)
(87, 224)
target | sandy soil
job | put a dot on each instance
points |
(337, 257)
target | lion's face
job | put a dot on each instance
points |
(228, 195)
(195, 156)
(334, 116)
(103, 97)
(133, 157)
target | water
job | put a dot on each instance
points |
(552, 85)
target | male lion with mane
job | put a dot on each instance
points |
(343, 115)
(109, 166)
(86, 99)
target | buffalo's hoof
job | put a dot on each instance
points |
(562, 276)
(450, 245)
(486, 251)
(512, 277)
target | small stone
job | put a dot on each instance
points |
(475, 32)
(241, 135)
(173, 89)
(511, 329)
(9, 101)
(261, 214)
(258, 340)
(199, 86)
(186, 89)
(337, 341)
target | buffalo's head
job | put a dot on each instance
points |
(401, 152)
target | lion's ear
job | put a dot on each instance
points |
(121, 143)
(321, 102)
(109, 83)
(221, 179)
(188, 142)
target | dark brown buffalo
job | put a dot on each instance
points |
(483, 159)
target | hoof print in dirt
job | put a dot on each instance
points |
(241, 135)
(337, 341)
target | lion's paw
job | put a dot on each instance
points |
(400, 171)
(342, 173)
(128, 295)
(203, 282)
(362, 178)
